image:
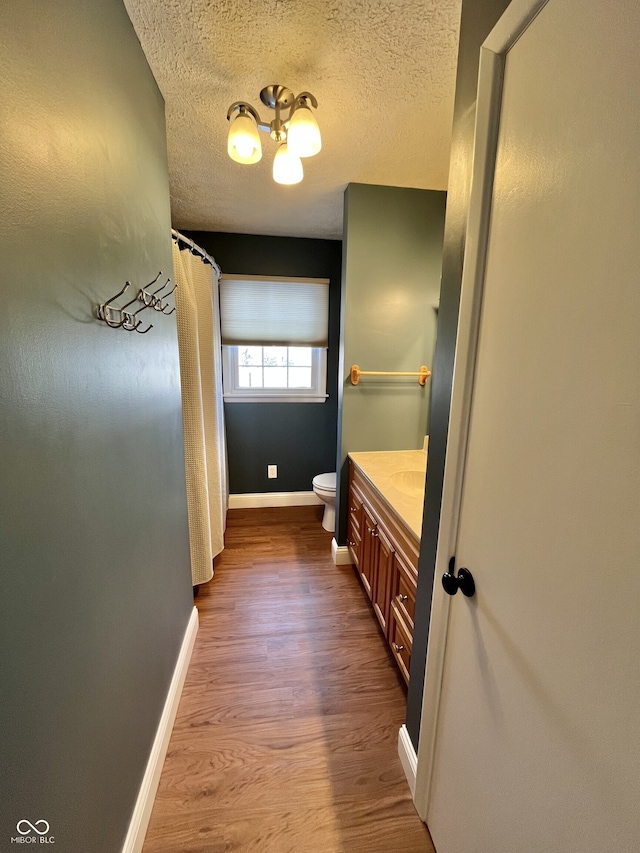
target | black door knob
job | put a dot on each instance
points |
(463, 581)
(450, 583)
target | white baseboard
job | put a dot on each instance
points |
(408, 758)
(147, 793)
(273, 499)
(340, 554)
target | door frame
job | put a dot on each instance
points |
(513, 23)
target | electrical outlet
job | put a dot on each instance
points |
(272, 472)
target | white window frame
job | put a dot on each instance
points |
(234, 394)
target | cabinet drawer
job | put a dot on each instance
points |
(400, 641)
(355, 511)
(406, 596)
(354, 524)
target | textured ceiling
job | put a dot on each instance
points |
(383, 73)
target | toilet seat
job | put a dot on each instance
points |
(324, 486)
(325, 482)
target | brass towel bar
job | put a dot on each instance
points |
(423, 374)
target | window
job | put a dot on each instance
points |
(274, 374)
(274, 336)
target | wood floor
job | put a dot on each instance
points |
(286, 735)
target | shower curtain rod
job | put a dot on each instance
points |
(180, 238)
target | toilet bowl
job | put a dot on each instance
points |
(324, 485)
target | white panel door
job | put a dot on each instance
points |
(537, 744)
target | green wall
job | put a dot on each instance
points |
(392, 259)
(95, 584)
(300, 438)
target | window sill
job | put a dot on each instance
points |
(274, 398)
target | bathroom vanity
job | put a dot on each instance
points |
(386, 495)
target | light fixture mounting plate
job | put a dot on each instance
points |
(277, 96)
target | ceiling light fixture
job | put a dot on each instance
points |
(297, 134)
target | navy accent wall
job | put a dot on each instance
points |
(95, 584)
(300, 438)
(478, 19)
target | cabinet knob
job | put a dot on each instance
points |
(403, 597)
(374, 533)
(398, 648)
(349, 542)
(353, 508)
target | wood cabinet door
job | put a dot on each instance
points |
(382, 578)
(369, 549)
(403, 590)
(400, 640)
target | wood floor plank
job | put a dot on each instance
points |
(286, 735)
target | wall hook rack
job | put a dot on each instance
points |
(120, 318)
(423, 374)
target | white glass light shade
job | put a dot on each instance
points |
(244, 141)
(303, 134)
(287, 168)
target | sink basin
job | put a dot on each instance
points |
(409, 482)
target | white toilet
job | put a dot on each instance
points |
(324, 485)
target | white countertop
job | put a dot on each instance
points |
(399, 476)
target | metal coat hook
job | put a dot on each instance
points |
(135, 327)
(149, 297)
(158, 299)
(140, 310)
(135, 299)
(173, 290)
(127, 285)
(129, 323)
(162, 286)
(104, 308)
(152, 300)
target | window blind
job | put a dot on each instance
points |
(267, 311)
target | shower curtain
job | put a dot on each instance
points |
(198, 321)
